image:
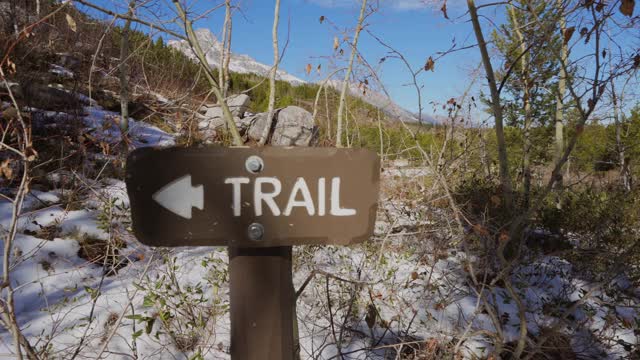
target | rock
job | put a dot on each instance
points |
(244, 123)
(256, 125)
(69, 60)
(294, 127)
(238, 105)
(213, 112)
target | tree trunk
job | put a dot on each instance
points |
(124, 71)
(272, 75)
(526, 98)
(14, 18)
(347, 76)
(620, 148)
(209, 74)
(505, 178)
(559, 136)
(226, 39)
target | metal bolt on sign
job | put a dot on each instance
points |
(254, 164)
(255, 232)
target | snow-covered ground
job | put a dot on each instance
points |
(173, 304)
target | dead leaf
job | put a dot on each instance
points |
(504, 236)
(6, 170)
(432, 345)
(430, 64)
(584, 31)
(336, 43)
(495, 200)
(480, 230)
(71, 23)
(319, 68)
(444, 10)
(414, 275)
(10, 113)
(568, 33)
(308, 69)
(626, 7)
(636, 61)
(12, 66)
(370, 318)
(30, 153)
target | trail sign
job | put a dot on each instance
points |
(252, 197)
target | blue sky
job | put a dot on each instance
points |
(413, 28)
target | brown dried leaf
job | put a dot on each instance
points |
(370, 318)
(336, 43)
(414, 275)
(480, 230)
(495, 200)
(444, 10)
(568, 33)
(626, 7)
(71, 23)
(584, 31)
(430, 64)
(321, 19)
(30, 153)
(308, 69)
(6, 170)
(636, 61)
(10, 113)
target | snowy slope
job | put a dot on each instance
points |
(239, 63)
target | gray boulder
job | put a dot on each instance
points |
(294, 127)
(238, 105)
(256, 126)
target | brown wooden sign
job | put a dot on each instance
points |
(252, 197)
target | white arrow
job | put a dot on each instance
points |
(179, 197)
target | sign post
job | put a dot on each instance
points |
(259, 202)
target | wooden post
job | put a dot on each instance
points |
(262, 299)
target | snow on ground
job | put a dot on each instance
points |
(62, 71)
(105, 125)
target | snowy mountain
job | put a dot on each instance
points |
(245, 64)
(239, 63)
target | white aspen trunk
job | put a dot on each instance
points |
(272, 75)
(347, 76)
(124, 71)
(559, 117)
(505, 178)
(209, 74)
(226, 34)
